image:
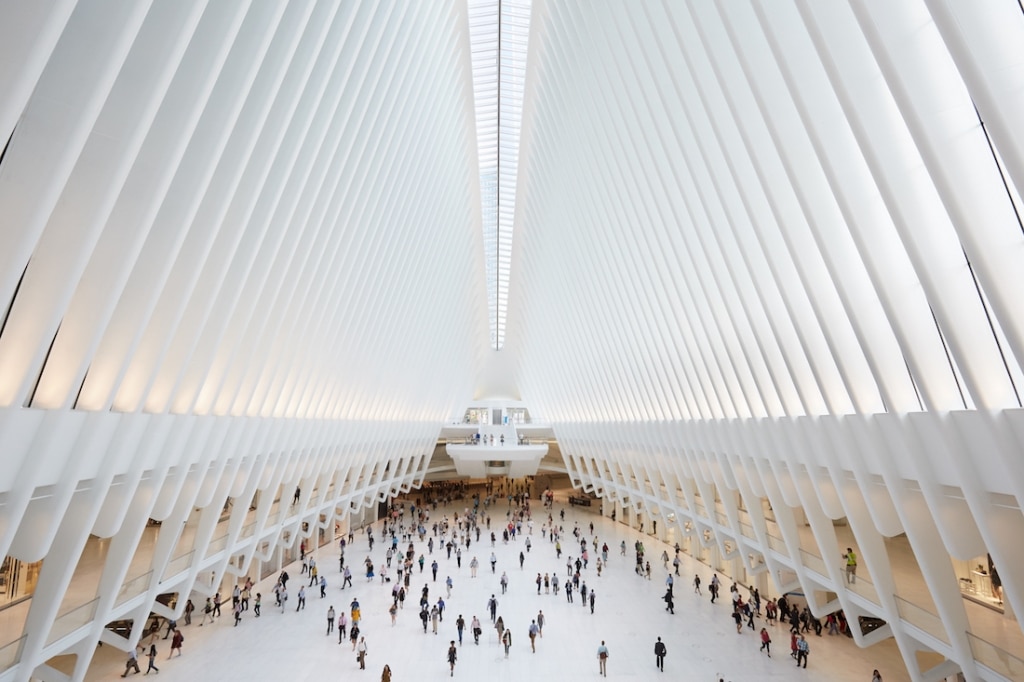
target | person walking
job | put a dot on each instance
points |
(475, 624)
(659, 654)
(330, 620)
(851, 566)
(131, 663)
(460, 625)
(506, 639)
(257, 602)
(602, 658)
(176, 642)
(766, 642)
(492, 605)
(540, 624)
(534, 631)
(342, 626)
(152, 659)
(453, 655)
(802, 650)
(591, 597)
(189, 608)
(385, 676)
(876, 676)
(361, 653)
(696, 584)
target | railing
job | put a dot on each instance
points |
(72, 620)
(249, 529)
(179, 564)
(722, 519)
(778, 544)
(922, 619)
(813, 562)
(133, 588)
(217, 545)
(10, 653)
(747, 530)
(864, 588)
(699, 510)
(992, 657)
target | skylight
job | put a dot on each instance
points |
(499, 31)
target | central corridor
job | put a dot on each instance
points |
(629, 615)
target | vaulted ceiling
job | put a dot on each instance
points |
(771, 242)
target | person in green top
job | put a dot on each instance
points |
(851, 565)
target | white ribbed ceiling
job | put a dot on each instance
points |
(733, 210)
(240, 208)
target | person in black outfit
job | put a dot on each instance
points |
(659, 654)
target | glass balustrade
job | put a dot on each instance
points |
(72, 620)
(862, 587)
(10, 653)
(217, 545)
(813, 562)
(179, 564)
(922, 619)
(995, 659)
(133, 588)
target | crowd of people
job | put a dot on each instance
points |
(415, 542)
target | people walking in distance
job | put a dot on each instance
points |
(803, 648)
(361, 653)
(766, 642)
(176, 642)
(131, 663)
(152, 659)
(342, 626)
(602, 658)
(851, 565)
(453, 655)
(659, 654)
(207, 612)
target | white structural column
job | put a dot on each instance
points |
(763, 290)
(239, 259)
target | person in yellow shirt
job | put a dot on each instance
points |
(851, 565)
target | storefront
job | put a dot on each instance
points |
(979, 581)
(17, 580)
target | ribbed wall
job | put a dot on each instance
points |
(240, 252)
(774, 249)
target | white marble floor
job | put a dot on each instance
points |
(629, 614)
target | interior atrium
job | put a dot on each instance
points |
(738, 279)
